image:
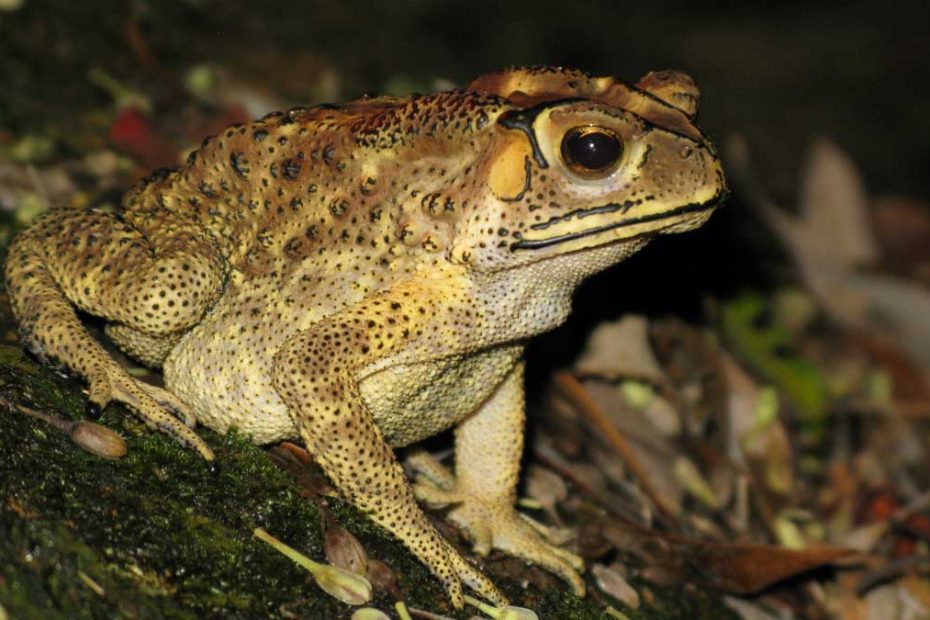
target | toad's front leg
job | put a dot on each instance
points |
(488, 448)
(316, 375)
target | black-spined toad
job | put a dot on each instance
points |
(365, 276)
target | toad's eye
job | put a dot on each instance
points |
(591, 151)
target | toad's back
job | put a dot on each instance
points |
(336, 179)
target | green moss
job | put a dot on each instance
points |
(156, 530)
(767, 347)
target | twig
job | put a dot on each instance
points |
(554, 461)
(574, 392)
(419, 613)
(95, 587)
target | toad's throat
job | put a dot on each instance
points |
(535, 244)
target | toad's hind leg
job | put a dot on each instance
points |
(94, 261)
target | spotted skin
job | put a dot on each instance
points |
(365, 276)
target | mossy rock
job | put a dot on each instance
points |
(157, 535)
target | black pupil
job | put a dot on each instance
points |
(591, 149)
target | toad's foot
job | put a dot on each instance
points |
(156, 407)
(494, 523)
(454, 570)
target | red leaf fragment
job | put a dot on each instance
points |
(133, 134)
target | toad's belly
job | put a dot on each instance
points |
(415, 401)
(227, 386)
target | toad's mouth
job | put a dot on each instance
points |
(674, 215)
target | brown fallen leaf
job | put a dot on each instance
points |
(746, 569)
(297, 462)
(735, 568)
(382, 577)
(610, 580)
(342, 548)
(834, 206)
(90, 436)
(621, 350)
(653, 450)
(751, 610)
(690, 358)
(547, 488)
(905, 600)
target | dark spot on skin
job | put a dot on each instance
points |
(338, 207)
(239, 163)
(292, 247)
(207, 190)
(291, 169)
(482, 120)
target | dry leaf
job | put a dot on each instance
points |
(663, 416)
(621, 350)
(734, 568)
(745, 569)
(898, 307)
(865, 537)
(751, 610)
(610, 580)
(547, 488)
(757, 436)
(834, 207)
(343, 549)
(297, 462)
(382, 577)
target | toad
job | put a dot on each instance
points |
(364, 276)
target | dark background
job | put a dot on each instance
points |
(779, 72)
